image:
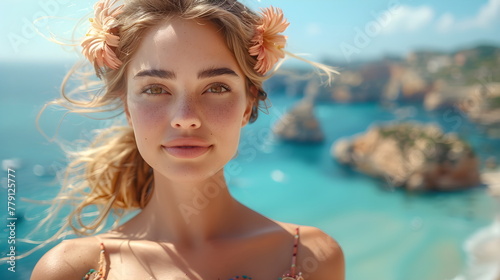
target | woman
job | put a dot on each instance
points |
(188, 75)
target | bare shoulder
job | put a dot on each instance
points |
(70, 259)
(319, 256)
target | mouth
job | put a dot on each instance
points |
(187, 147)
(187, 152)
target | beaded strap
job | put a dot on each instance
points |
(98, 274)
(295, 249)
(292, 275)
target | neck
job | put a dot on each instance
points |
(189, 212)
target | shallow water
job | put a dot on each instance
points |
(385, 234)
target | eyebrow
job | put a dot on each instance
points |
(214, 72)
(203, 74)
(164, 74)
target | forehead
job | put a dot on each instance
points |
(180, 45)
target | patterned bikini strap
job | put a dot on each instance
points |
(102, 259)
(100, 273)
(295, 249)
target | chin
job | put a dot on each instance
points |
(188, 173)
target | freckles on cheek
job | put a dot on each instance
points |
(147, 114)
(227, 119)
(146, 120)
(230, 111)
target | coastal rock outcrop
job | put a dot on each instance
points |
(365, 85)
(483, 107)
(300, 124)
(412, 156)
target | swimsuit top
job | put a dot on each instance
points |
(100, 273)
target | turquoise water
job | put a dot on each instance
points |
(385, 234)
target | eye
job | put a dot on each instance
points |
(218, 88)
(155, 90)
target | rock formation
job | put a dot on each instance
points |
(300, 124)
(412, 156)
(483, 107)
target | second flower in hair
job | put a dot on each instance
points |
(267, 43)
(99, 41)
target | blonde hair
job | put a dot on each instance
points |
(110, 173)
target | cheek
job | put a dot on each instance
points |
(145, 121)
(144, 112)
(226, 115)
(225, 123)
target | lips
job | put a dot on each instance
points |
(187, 148)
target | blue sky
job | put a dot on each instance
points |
(341, 29)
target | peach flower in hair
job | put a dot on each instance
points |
(267, 43)
(100, 39)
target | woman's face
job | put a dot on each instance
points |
(186, 100)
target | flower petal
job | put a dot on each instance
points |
(97, 45)
(267, 43)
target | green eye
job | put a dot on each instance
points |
(154, 90)
(218, 88)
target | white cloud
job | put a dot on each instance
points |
(407, 19)
(485, 17)
(488, 13)
(445, 22)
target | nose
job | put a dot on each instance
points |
(186, 115)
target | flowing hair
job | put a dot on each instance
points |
(110, 173)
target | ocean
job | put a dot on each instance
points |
(385, 234)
